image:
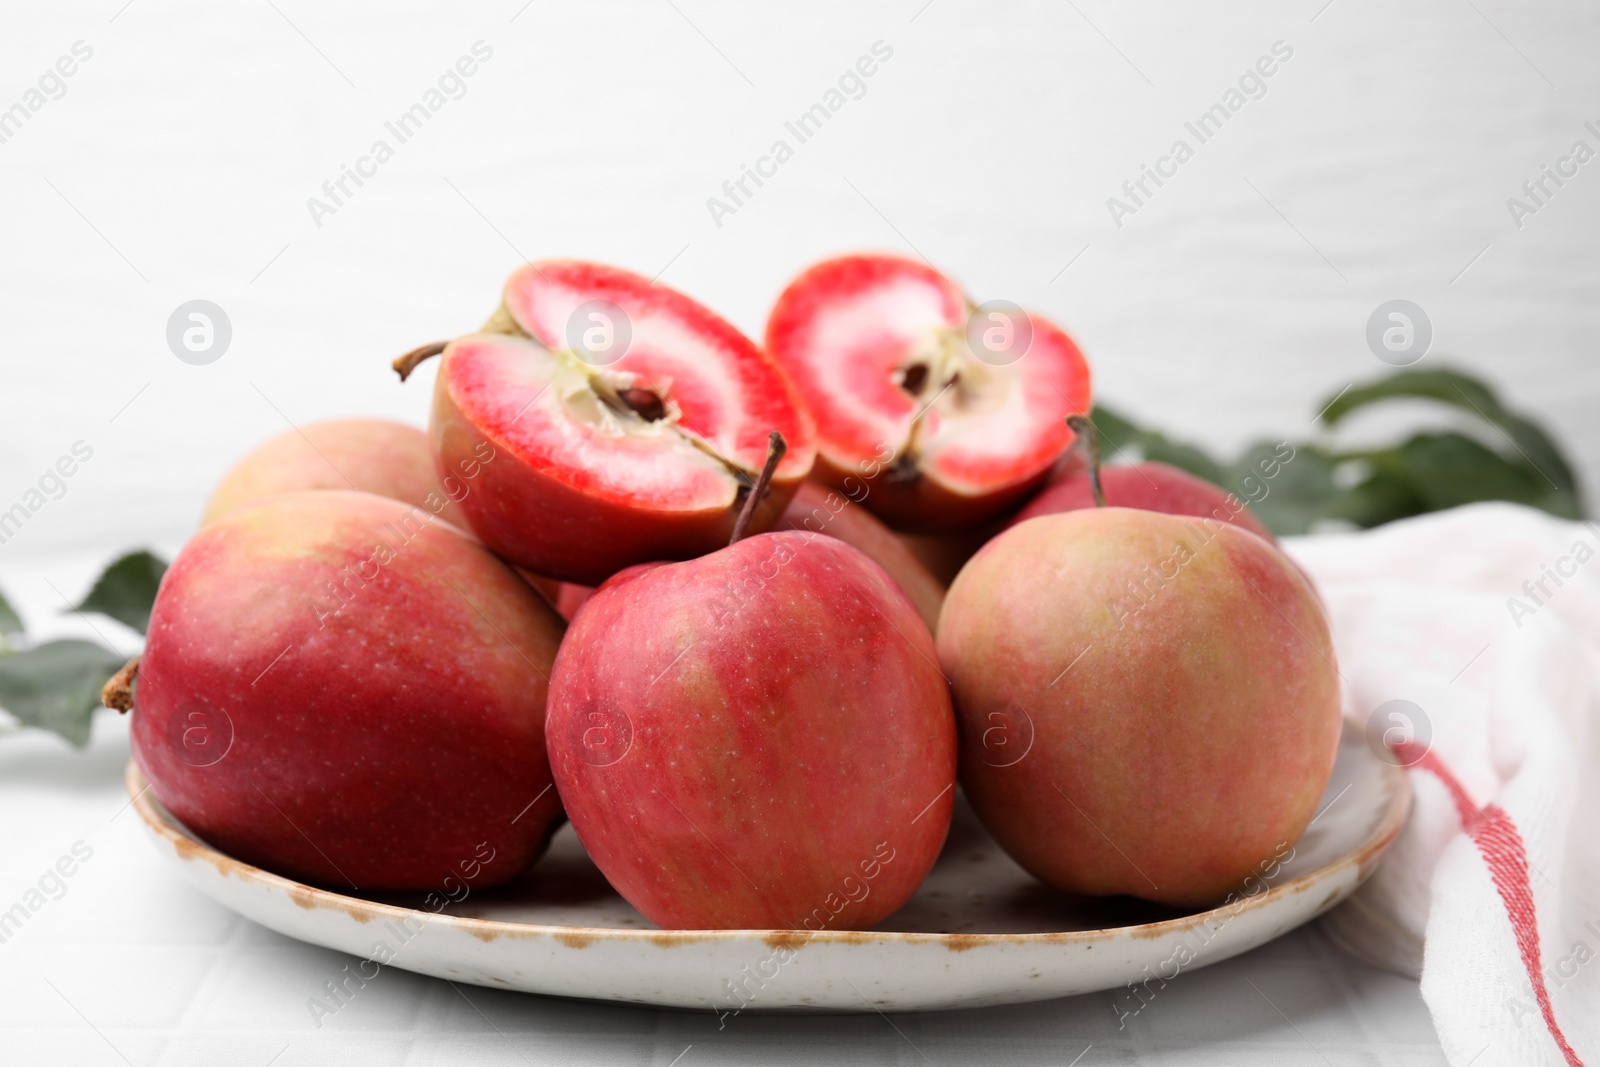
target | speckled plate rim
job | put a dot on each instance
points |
(1363, 856)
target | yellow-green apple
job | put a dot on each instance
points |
(1149, 703)
(627, 421)
(341, 691)
(372, 455)
(951, 413)
(759, 738)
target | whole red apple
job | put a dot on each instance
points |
(758, 738)
(1149, 704)
(372, 455)
(821, 510)
(349, 694)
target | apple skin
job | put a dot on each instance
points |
(390, 743)
(1191, 741)
(1150, 487)
(537, 520)
(943, 555)
(371, 455)
(923, 506)
(821, 510)
(756, 739)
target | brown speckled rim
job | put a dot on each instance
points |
(1364, 857)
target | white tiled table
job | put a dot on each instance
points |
(131, 965)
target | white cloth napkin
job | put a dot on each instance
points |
(1484, 622)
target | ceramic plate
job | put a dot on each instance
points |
(979, 932)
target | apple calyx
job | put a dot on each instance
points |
(1089, 442)
(117, 693)
(776, 447)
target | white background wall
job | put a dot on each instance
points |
(178, 164)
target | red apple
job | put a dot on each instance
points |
(950, 413)
(373, 455)
(755, 739)
(1149, 704)
(627, 422)
(820, 510)
(344, 692)
(1149, 487)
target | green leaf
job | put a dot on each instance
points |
(1187, 458)
(1449, 469)
(1384, 494)
(1120, 440)
(1526, 440)
(1123, 442)
(10, 621)
(56, 686)
(127, 589)
(1287, 495)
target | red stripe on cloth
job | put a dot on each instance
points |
(1497, 838)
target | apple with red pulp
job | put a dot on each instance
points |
(628, 422)
(758, 738)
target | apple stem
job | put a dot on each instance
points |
(776, 447)
(416, 357)
(118, 692)
(1090, 442)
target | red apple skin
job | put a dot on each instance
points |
(756, 739)
(945, 554)
(391, 744)
(821, 510)
(371, 455)
(537, 520)
(923, 506)
(1191, 741)
(1150, 487)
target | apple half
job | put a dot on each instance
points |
(949, 412)
(609, 421)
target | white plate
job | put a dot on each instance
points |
(979, 932)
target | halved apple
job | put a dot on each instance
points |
(949, 412)
(611, 421)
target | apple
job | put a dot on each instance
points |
(627, 421)
(372, 455)
(950, 413)
(821, 510)
(1149, 703)
(1147, 486)
(759, 738)
(350, 695)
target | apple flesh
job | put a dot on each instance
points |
(1149, 704)
(349, 695)
(371, 455)
(820, 510)
(944, 432)
(627, 422)
(1149, 487)
(755, 739)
